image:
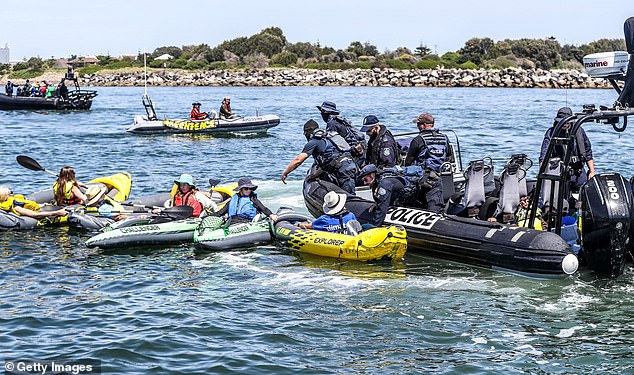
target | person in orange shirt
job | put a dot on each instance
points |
(196, 114)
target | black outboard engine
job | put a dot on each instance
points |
(606, 202)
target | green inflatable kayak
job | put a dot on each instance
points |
(213, 235)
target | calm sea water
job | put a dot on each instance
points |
(267, 310)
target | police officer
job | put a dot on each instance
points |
(382, 150)
(429, 149)
(336, 123)
(8, 88)
(386, 190)
(331, 154)
(581, 151)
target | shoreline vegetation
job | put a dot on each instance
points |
(439, 77)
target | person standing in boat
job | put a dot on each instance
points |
(195, 114)
(66, 189)
(8, 88)
(581, 151)
(336, 123)
(335, 215)
(331, 154)
(225, 109)
(21, 206)
(62, 90)
(382, 148)
(26, 89)
(430, 149)
(244, 205)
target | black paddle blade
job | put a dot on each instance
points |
(213, 182)
(178, 212)
(29, 163)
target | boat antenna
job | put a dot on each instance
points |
(145, 73)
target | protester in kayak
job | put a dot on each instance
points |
(66, 189)
(382, 148)
(339, 124)
(430, 149)
(335, 215)
(225, 108)
(102, 203)
(195, 114)
(245, 205)
(331, 154)
(185, 194)
(21, 206)
(581, 151)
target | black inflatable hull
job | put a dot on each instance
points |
(490, 245)
(26, 102)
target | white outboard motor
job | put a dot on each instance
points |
(606, 64)
(606, 202)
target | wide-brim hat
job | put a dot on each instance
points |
(328, 107)
(95, 193)
(563, 112)
(185, 179)
(195, 104)
(334, 203)
(245, 183)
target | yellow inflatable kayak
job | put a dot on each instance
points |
(121, 182)
(373, 244)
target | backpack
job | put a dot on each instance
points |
(354, 136)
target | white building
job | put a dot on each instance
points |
(4, 54)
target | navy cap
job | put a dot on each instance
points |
(367, 170)
(369, 122)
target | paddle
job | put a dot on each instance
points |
(32, 164)
(213, 182)
(177, 212)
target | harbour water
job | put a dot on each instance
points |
(266, 309)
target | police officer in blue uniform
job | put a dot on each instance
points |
(429, 149)
(383, 150)
(336, 123)
(386, 190)
(331, 154)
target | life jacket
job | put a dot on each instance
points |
(353, 136)
(522, 214)
(69, 198)
(434, 151)
(410, 177)
(195, 114)
(18, 200)
(242, 206)
(333, 223)
(188, 200)
(336, 149)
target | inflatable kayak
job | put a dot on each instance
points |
(467, 240)
(118, 187)
(155, 230)
(373, 244)
(213, 235)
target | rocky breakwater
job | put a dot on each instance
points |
(509, 77)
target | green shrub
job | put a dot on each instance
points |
(119, 65)
(178, 63)
(468, 65)
(90, 69)
(218, 65)
(427, 64)
(398, 64)
(25, 74)
(196, 65)
(284, 58)
(364, 65)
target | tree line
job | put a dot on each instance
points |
(270, 48)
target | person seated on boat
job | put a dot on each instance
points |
(26, 89)
(102, 203)
(8, 88)
(339, 124)
(195, 114)
(330, 154)
(430, 149)
(185, 194)
(335, 215)
(382, 149)
(244, 205)
(581, 153)
(42, 89)
(225, 109)
(62, 90)
(203, 197)
(386, 190)
(21, 206)
(66, 189)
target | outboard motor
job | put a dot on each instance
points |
(606, 203)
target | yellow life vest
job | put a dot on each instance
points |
(69, 197)
(9, 204)
(522, 218)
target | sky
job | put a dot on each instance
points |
(44, 28)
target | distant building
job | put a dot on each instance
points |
(83, 61)
(4, 54)
(165, 57)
